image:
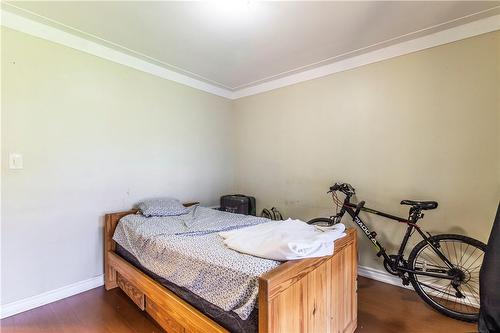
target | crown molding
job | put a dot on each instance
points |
(41, 30)
(37, 29)
(450, 35)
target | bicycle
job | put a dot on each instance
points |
(443, 269)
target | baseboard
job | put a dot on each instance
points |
(385, 277)
(29, 303)
(32, 302)
(382, 276)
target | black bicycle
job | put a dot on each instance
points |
(443, 269)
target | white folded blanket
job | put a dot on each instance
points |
(284, 240)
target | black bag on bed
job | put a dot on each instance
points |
(238, 203)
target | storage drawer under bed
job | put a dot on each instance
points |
(128, 288)
(159, 314)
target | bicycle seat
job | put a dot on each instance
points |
(423, 205)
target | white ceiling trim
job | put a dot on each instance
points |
(37, 29)
(454, 34)
(352, 53)
(52, 34)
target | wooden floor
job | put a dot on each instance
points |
(382, 308)
(386, 308)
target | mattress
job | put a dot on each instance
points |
(227, 319)
(188, 252)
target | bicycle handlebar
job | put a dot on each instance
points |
(345, 188)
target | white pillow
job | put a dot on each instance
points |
(162, 207)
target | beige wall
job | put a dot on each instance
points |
(96, 137)
(420, 126)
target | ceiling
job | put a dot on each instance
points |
(239, 44)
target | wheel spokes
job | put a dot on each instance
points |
(459, 294)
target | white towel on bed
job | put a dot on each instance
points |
(284, 240)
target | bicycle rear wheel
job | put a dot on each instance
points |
(457, 299)
(321, 222)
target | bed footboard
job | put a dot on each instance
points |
(312, 295)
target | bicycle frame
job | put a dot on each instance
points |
(353, 210)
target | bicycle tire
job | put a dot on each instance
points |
(423, 288)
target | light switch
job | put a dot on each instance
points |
(15, 161)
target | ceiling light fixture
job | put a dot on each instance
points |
(234, 10)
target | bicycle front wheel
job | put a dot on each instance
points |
(459, 297)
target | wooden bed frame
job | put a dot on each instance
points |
(309, 295)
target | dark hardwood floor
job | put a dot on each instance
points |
(388, 309)
(382, 308)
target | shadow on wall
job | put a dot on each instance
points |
(457, 230)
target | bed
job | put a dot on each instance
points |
(308, 295)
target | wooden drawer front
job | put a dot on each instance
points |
(135, 294)
(161, 317)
